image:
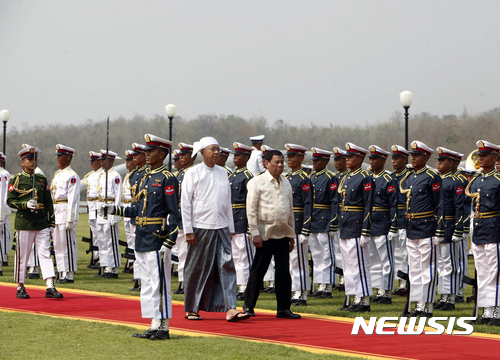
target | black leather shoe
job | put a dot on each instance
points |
(138, 289)
(62, 281)
(325, 295)
(439, 305)
(110, 276)
(426, 314)
(146, 335)
(33, 276)
(415, 313)
(298, 302)
(479, 321)
(287, 314)
(361, 308)
(398, 291)
(52, 293)
(270, 290)
(179, 292)
(22, 294)
(385, 300)
(317, 293)
(459, 299)
(5, 263)
(1, 273)
(248, 311)
(447, 307)
(376, 299)
(160, 335)
(494, 322)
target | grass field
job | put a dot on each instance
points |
(59, 338)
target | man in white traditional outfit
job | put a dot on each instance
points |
(207, 218)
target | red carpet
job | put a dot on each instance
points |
(315, 333)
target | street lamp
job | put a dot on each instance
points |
(406, 98)
(4, 115)
(170, 109)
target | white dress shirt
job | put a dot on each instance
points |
(206, 199)
(254, 164)
(114, 194)
(65, 186)
(270, 207)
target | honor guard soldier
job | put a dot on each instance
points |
(29, 194)
(241, 244)
(186, 150)
(127, 201)
(383, 215)
(221, 161)
(484, 189)
(356, 196)
(324, 223)
(255, 165)
(92, 182)
(399, 161)
(177, 161)
(424, 227)
(5, 211)
(107, 228)
(449, 269)
(65, 188)
(339, 157)
(157, 218)
(302, 210)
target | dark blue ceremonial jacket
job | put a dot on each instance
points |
(238, 181)
(453, 201)
(325, 187)
(486, 230)
(135, 180)
(385, 197)
(401, 201)
(159, 191)
(467, 203)
(426, 196)
(302, 200)
(359, 188)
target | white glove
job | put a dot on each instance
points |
(456, 238)
(466, 237)
(165, 250)
(31, 204)
(303, 239)
(364, 239)
(51, 230)
(116, 220)
(437, 240)
(392, 236)
(332, 234)
(249, 236)
(110, 208)
(70, 225)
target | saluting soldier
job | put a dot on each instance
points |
(324, 223)
(399, 160)
(221, 161)
(424, 227)
(383, 216)
(177, 161)
(241, 244)
(107, 229)
(29, 193)
(126, 202)
(65, 188)
(484, 189)
(91, 179)
(255, 164)
(449, 269)
(157, 217)
(5, 211)
(356, 191)
(302, 193)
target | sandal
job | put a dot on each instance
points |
(194, 316)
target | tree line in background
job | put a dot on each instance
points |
(458, 133)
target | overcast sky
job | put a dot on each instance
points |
(339, 62)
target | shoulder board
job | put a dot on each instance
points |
(364, 173)
(330, 174)
(431, 173)
(147, 170)
(497, 176)
(167, 173)
(41, 176)
(387, 177)
(248, 174)
(16, 175)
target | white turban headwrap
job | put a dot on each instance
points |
(202, 144)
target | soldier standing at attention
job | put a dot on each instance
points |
(356, 190)
(324, 223)
(65, 190)
(424, 227)
(157, 213)
(254, 164)
(127, 201)
(92, 182)
(5, 211)
(241, 244)
(302, 193)
(177, 161)
(29, 193)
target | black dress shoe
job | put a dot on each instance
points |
(298, 302)
(439, 305)
(352, 306)
(494, 322)
(160, 335)
(287, 314)
(325, 295)
(447, 307)
(179, 292)
(70, 281)
(1, 273)
(479, 321)
(52, 293)
(317, 293)
(415, 313)
(5, 263)
(376, 298)
(22, 294)
(110, 276)
(62, 281)
(398, 291)
(459, 299)
(33, 276)
(426, 314)
(385, 300)
(146, 335)
(248, 311)
(361, 308)
(137, 289)
(270, 290)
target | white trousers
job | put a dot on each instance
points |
(25, 240)
(299, 266)
(131, 244)
(463, 259)
(323, 258)
(400, 253)
(487, 258)
(107, 241)
(422, 259)
(356, 260)
(336, 248)
(270, 274)
(33, 260)
(382, 262)
(182, 249)
(154, 275)
(449, 270)
(243, 252)
(5, 239)
(65, 248)
(93, 229)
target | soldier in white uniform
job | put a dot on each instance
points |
(108, 229)
(5, 211)
(126, 201)
(92, 182)
(254, 164)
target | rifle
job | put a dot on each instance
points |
(405, 276)
(34, 172)
(347, 298)
(473, 282)
(107, 164)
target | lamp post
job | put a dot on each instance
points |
(406, 98)
(4, 115)
(170, 109)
